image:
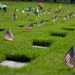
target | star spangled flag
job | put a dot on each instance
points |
(4, 13)
(30, 27)
(56, 12)
(70, 15)
(4, 9)
(44, 12)
(49, 11)
(41, 23)
(14, 16)
(65, 18)
(27, 15)
(23, 11)
(16, 10)
(55, 18)
(8, 35)
(70, 58)
(8, 10)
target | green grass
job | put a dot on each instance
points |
(48, 61)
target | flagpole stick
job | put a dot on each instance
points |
(36, 17)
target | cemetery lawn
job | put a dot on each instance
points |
(58, 37)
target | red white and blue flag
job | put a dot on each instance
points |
(14, 17)
(55, 18)
(27, 15)
(41, 23)
(8, 35)
(70, 58)
(30, 27)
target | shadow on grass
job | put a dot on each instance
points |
(46, 20)
(21, 26)
(69, 29)
(58, 34)
(1, 30)
(41, 43)
(35, 23)
(18, 58)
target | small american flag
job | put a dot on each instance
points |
(27, 15)
(65, 18)
(5, 10)
(8, 35)
(55, 19)
(70, 58)
(49, 11)
(70, 15)
(44, 12)
(56, 12)
(23, 11)
(41, 23)
(14, 16)
(30, 27)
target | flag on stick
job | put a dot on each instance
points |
(23, 10)
(70, 15)
(8, 35)
(44, 12)
(4, 9)
(49, 11)
(14, 15)
(41, 23)
(70, 58)
(65, 18)
(30, 27)
(27, 15)
(55, 19)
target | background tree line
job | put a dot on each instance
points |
(65, 1)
